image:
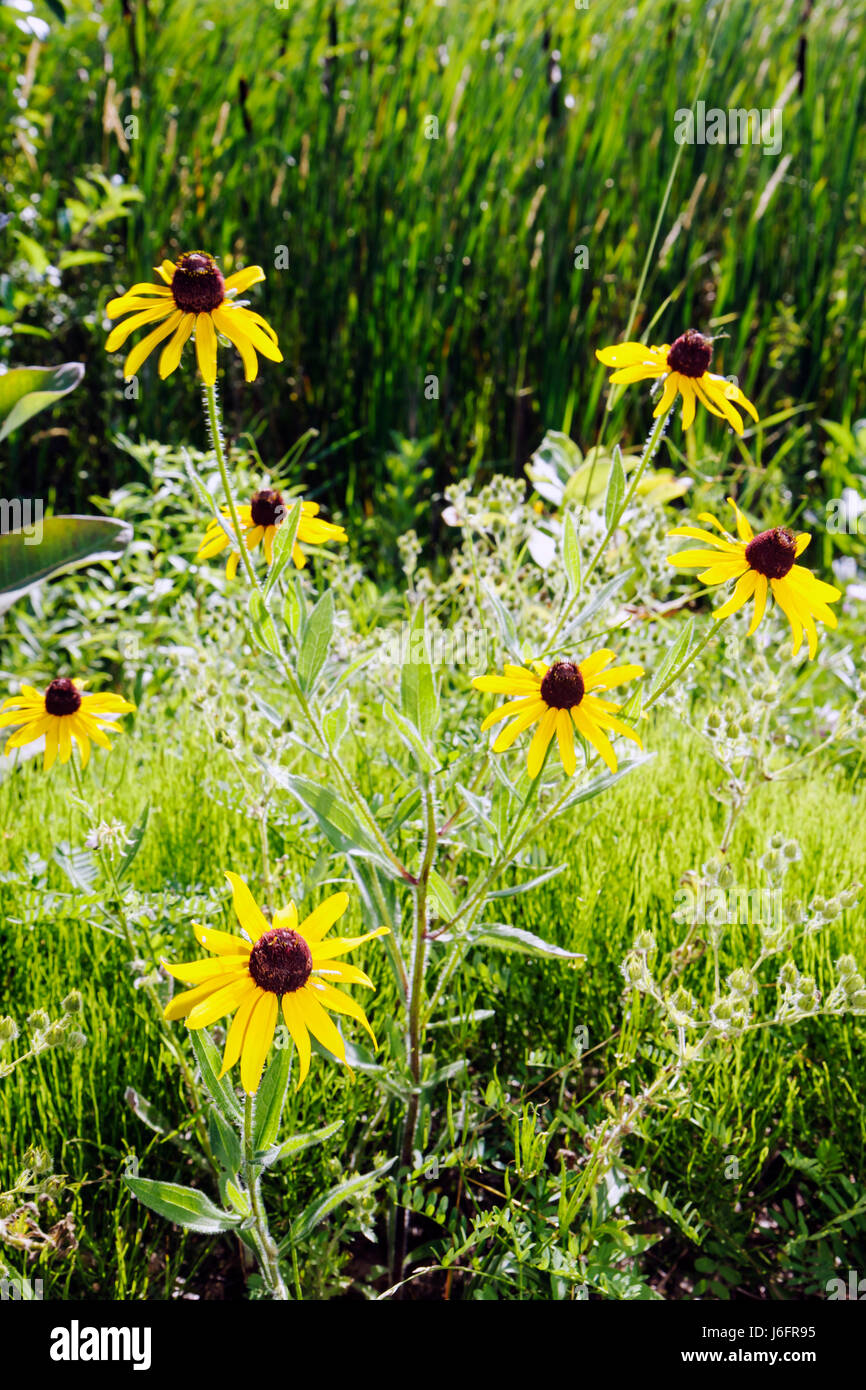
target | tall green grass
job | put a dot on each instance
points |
(304, 127)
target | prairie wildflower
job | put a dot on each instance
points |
(260, 520)
(682, 368)
(194, 297)
(284, 964)
(560, 699)
(761, 565)
(64, 713)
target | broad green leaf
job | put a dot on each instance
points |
(508, 938)
(571, 555)
(296, 1143)
(318, 631)
(210, 1064)
(185, 1206)
(283, 545)
(78, 865)
(26, 390)
(613, 498)
(417, 689)
(67, 542)
(271, 1098)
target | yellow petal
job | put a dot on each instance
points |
(540, 742)
(322, 918)
(248, 912)
(206, 348)
(565, 739)
(301, 1038)
(257, 1041)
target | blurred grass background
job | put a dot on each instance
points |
(141, 128)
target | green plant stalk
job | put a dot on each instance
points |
(213, 420)
(214, 423)
(415, 1026)
(267, 1250)
(649, 450)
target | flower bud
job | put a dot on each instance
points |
(73, 1003)
(8, 1030)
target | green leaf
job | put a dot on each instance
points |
(600, 784)
(508, 938)
(442, 896)
(134, 845)
(284, 542)
(296, 1143)
(26, 390)
(185, 1206)
(77, 864)
(530, 883)
(263, 625)
(66, 543)
(417, 689)
(271, 1099)
(225, 1142)
(673, 658)
(332, 815)
(571, 555)
(598, 600)
(318, 630)
(505, 624)
(316, 1212)
(210, 1063)
(613, 498)
(411, 736)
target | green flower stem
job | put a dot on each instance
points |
(267, 1250)
(216, 436)
(649, 450)
(473, 903)
(415, 1029)
(353, 792)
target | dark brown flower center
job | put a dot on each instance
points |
(197, 284)
(563, 687)
(773, 553)
(267, 507)
(691, 354)
(281, 961)
(61, 697)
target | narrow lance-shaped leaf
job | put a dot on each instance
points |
(615, 490)
(417, 689)
(318, 631)
(185, 1206)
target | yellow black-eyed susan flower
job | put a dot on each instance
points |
(560, 699)
(63, 713)
(286, 964)
(761, 564)
(260, 519)
(682, 367)
(194, 298)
